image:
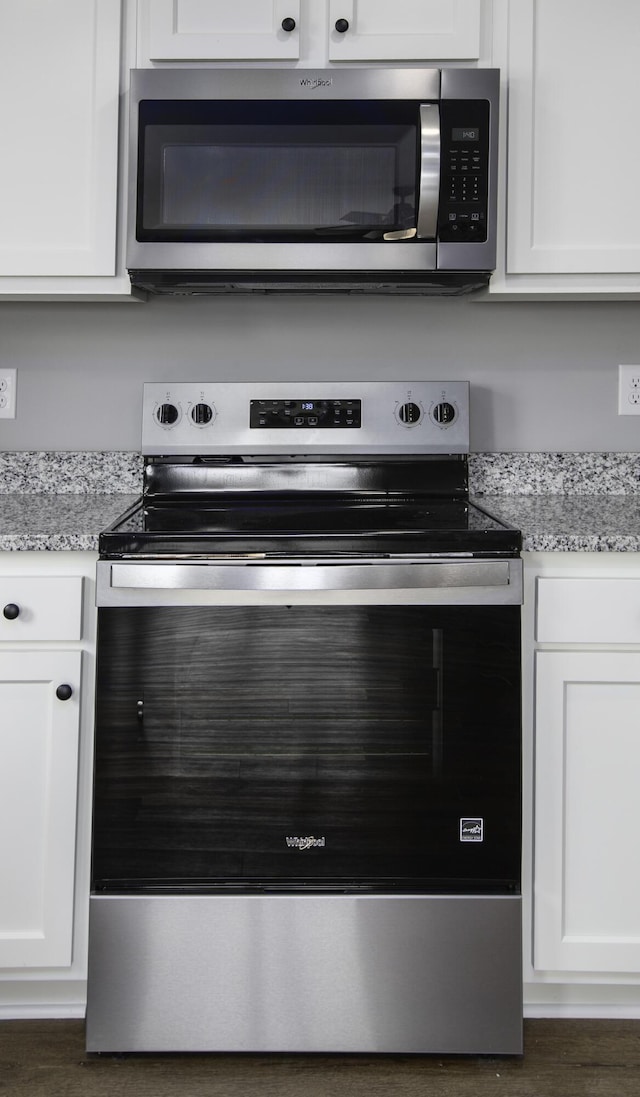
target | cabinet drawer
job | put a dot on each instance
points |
(49, 608)
(588, 611)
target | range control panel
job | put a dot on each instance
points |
(307, 413)
(296, 418)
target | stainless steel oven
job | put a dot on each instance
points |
(307, 778)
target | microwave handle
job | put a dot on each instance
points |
(429, 190)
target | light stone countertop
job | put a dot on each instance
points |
(56, 523)
(570, 523)
(562, 502)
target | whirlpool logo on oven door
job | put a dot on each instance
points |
(471, 830)
(306, 843)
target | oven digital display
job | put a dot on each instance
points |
(305, 414)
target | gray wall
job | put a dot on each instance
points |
(543, 376)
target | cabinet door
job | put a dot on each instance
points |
(404, 30)
(199, 30)
(59, 84)
(586, 881)
(38, 796)
(40, 608)
(573, 157)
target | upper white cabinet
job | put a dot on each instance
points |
(59, 102)
(572, 84)
(201, 30)
(311, 30)
(409, 30)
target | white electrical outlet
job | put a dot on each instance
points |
(628, 390)
(8, 382)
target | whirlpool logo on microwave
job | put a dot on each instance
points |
(471, 830)
(314, 82)
(306, 843)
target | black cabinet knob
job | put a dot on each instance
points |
(64, 692)
(342, 25)
(11, 611)
(288, 24)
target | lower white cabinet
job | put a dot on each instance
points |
(39, 727)
(47, 654)
(582, 739)
(587, 887)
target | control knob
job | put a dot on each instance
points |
(167, 414)
(444, 413)
(409, 414)
(201, 414)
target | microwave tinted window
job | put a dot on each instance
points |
(277, 180)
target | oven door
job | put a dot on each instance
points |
(308, 739)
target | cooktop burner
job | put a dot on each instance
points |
(271, 524)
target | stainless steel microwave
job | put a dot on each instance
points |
(362, 180)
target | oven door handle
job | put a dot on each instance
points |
(460, 582)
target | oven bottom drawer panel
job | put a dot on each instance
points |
(395, 974)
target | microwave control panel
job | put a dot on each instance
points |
(464, 170)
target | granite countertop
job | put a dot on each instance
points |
(562, 502)
(57, 522)
(570, 523)
(62, 501)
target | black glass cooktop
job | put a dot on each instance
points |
(261, 523)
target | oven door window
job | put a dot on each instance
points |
(276, 172)
(336, 747)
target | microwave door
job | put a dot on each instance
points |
(429, 188)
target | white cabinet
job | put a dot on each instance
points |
(309, 30)
(40, 608)
(587, 888)
(199, 30)
(47, 627)
(38, 796)
(572, 83)
(59, 104)
(582, 740)
(407, 30)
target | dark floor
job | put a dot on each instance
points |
(562, 1059)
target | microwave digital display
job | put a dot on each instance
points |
(465, 133)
